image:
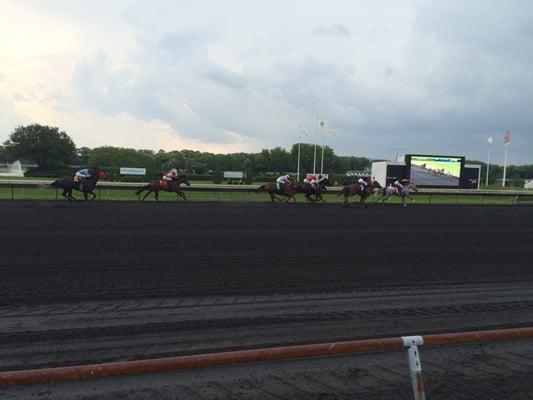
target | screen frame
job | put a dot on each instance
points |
(408, 169)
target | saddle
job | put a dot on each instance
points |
(164, 185)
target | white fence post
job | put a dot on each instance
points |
(415, 367)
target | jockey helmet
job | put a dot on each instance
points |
(173, 171)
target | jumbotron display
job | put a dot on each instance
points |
(435, 171)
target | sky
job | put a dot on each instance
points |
(431, 77)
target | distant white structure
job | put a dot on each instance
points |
(385, 171)
(132, 171)
(14, 169)
(529, 184)
(234, 176)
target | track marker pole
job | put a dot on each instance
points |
(411, 343)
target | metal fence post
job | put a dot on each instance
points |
(415, 367)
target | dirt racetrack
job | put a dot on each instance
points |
(112, 281)
(55, 252)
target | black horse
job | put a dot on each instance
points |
(86, 186)
(310, 190)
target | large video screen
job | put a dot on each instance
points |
(435, 170)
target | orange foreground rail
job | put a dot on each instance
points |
(46, 375)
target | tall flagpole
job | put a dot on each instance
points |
(489, 140)
(316, 133)
(322, 157)
(299, 147)
(507, 141)
(504, 166)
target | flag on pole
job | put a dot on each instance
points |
(507, 137)
(490, 140)
(322, 124)
(303, 131)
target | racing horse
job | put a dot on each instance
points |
(167, 186)
(389, 191)
(86, 186)
(288, 191)
(309, 190)
(355, 189)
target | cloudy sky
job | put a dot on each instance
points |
(434, 77)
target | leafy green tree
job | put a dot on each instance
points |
(45, 146)
(112, 158)
(82, 156)
(4, 158)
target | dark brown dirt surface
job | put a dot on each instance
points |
(110, 281)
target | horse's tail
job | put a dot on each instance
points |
(342, 192)
(260, 188)
(142, 189)
(54, 184)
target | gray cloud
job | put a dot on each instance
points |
(333, 30)
(462, 73)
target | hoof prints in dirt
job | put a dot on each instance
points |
(111, 251)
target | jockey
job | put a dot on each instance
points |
(170, 175)
(282, 180)
(317, 182)
(310, 179)
(362, 184)
(398, 186)
(84, 173)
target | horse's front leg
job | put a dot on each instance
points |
(147, 193)
(182, 195)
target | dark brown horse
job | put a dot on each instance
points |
(86, 186)
(355, 189)
(167, 186)
(288, 191)
(309, 190)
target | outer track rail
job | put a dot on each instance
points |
(61, 374)
(515, 195)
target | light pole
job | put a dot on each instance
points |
(489, 141)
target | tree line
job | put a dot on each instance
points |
(55, 153)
